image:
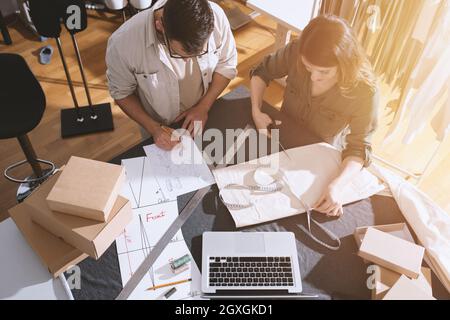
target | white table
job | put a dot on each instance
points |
(290, 15)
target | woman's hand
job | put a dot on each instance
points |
(330, 202)
(262, 121)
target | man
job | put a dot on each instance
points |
(170, 63)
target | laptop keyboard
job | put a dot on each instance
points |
(250, 272)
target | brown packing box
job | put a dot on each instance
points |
(90, 236)
(87, 188)
(406, 289)
(391, 252)
(399, 230)
(56, 255)
(387, 279)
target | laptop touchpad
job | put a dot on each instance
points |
(249, 243)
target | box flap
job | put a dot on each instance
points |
(388, 278)
(399, 230)
(406, 289)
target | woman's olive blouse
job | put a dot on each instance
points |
(346, 121)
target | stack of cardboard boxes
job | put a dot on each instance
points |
(399, 274)
(76, 213)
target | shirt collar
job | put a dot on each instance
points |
(150, 30)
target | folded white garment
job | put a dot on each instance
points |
(430, 223)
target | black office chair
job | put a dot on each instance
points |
(4, 30)
(22, 105)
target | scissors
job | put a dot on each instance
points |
(274, 125)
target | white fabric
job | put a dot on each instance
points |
(441, 122)
(424, 21)
(308, 173)
(430, 223)
(435, 87)
(136, 64)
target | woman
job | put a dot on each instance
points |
(331, 89)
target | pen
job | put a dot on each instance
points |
(169, 284)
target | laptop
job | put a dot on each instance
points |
(250, 265)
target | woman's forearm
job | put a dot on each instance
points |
(350, 167)
(257, 89)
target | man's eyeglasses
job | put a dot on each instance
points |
(179, 56)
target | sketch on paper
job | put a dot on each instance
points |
(151, 219)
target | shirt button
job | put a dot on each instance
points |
(145, 76)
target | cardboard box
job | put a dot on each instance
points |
(406, 289)
(56, 255)
(387, 279)
(391, 252)
(90, 236)
(399, 230)
(87, 188)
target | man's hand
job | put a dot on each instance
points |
(330, 202)
(199, 113)
(164, 138)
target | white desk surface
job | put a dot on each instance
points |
(22, 275)
(293, 14)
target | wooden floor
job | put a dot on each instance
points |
(253, 41)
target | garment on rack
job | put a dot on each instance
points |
(428, 87)
(441, 122)
(391, 32)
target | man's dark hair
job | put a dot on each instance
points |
(189, 22)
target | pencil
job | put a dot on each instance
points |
(169, 284)
(170, 131)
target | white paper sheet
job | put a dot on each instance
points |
(153, 184)
(138, 239)
(179, 171)
(142, 188)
